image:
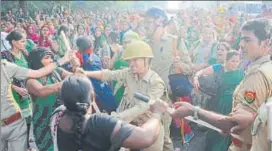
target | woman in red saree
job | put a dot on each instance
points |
(32, 33)
(46, 39)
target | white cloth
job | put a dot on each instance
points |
(4, 43)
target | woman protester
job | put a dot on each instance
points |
(229, 76)
(46, 39)
(101, 48)
(89, 61)
(13, 126)
(45, 97)
(73, 129)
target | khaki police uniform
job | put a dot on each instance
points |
(251, 94)
(133, 110)
(13, 125)
(162, 63)
(163, 58)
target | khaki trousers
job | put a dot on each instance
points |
(14, 136)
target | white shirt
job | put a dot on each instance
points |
(4, 43)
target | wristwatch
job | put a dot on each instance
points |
(196, 110)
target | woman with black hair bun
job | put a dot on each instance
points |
(73, 129)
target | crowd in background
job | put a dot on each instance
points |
(211, 39)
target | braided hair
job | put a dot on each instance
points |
(76, 94)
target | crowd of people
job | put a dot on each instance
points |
(70, 79)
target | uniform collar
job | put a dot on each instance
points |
(261, 60)
(146, 77)
(256, 63)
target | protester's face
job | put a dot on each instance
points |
(233, 63)
(81, 30)
(19, 44)
(68, 33)
(18, 25)
(221, 53)
(107, 31)
(45, 32)
(134, 25)
(125, 26)
(50, 24)
(137, 65)
(150, 26)
(4, 28)
(9, 25)
(46, 60)
(250, 45)
(97, 32)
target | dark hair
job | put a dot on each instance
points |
(76, 94)
(45, 26)
(114, 37)
(225, 44)
(260, 27)
(232, 53)
(35, 57)
(14, 35)
(63, 28)
(83, 43)
(77, 27)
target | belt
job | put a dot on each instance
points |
(238, 143)
(11, 119)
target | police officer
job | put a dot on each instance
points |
(13, 125)
(164, 45)
(138, 78)
(167, 57)
(246, 123)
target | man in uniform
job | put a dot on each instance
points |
(249, 96)
(164, 46)
(138, 78)
(167, 58)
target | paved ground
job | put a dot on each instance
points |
(196, 144)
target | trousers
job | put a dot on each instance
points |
(14, 136)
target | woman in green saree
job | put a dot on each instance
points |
(219, 56)
(44, 92)
(229, 77)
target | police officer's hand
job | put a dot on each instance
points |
(21, 91)
(243, 119)
(158, 106)
(75, 61)
(196, 84)
(177, 62)
(182, 109)
(80, 70)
